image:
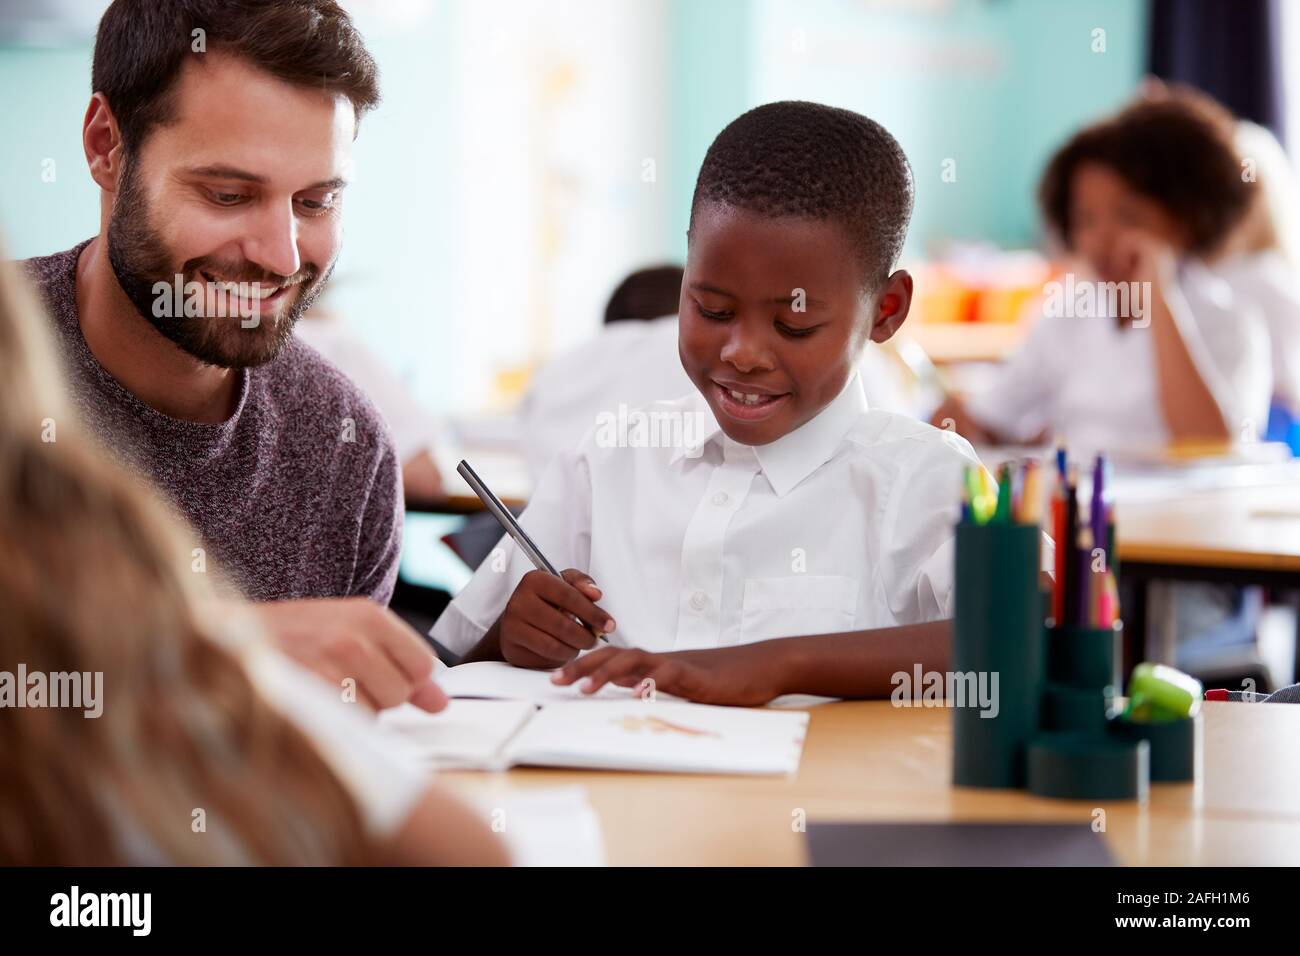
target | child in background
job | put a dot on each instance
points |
(193, 710)
(414, 428)
(1141, 198)
(631, 361)
(787, 538)
(1261, 261)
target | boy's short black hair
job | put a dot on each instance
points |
(1175, 148)
(811, 161)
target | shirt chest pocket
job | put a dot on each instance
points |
(797, 605)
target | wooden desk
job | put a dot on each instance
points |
(503, 470)
(1241, 536)
(948, 343)
(1255, 530)
(871, 761)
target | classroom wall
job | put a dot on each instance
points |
(47, 199)
(557, 141)
(992, 85)
(530, 153)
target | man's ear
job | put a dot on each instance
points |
(102, 141)
(892, 306)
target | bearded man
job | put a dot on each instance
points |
(220, 134)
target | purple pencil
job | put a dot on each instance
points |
(1098, 521)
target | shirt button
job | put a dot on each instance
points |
(698, 600)
(721, 498)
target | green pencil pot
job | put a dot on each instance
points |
(1084, 710)
(1085, 657)
(997, 636)
(1176, 745)
(1084, 767)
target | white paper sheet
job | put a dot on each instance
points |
(501, 681)
(612, 730)
(468, 734)
(661, 736)
(551, 826)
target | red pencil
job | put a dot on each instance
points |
(1058, 536)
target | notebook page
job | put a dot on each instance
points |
(662, 736)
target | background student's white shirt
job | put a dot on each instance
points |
(846, 523)
(414, 427)
(630, 362)
(1269, 281)
(635, 363)
(1095, 385)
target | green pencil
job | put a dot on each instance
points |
(1003, 513)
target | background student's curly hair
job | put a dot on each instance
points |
(1175, 149)
(96, 577)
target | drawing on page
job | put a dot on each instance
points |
(657, 725)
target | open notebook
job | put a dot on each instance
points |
(532, 722)
(495, 680)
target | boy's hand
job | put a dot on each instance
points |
(537, 628)
(743, 676)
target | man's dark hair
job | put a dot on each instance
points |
(141, 46)
(646, 294)
(811, 161)
(1175, 148)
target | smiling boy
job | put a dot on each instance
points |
(802, 543)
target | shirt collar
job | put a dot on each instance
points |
(793, 457)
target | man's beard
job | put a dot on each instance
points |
(140, 260)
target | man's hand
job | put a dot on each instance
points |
(744, 676)
(537, 628)
(341, 638)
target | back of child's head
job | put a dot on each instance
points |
(809, 161)
(1174, 147)
(645, 294)
(98, 579)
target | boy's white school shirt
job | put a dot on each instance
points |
(846, 523)
(1088, 382)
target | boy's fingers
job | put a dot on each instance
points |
(584, 665)
(621, 665)
(583, 581)
(521, 656)
(546, 649)
(567, 597)
(562, 627)
(666, 676)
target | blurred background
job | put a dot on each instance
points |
(529, 154)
